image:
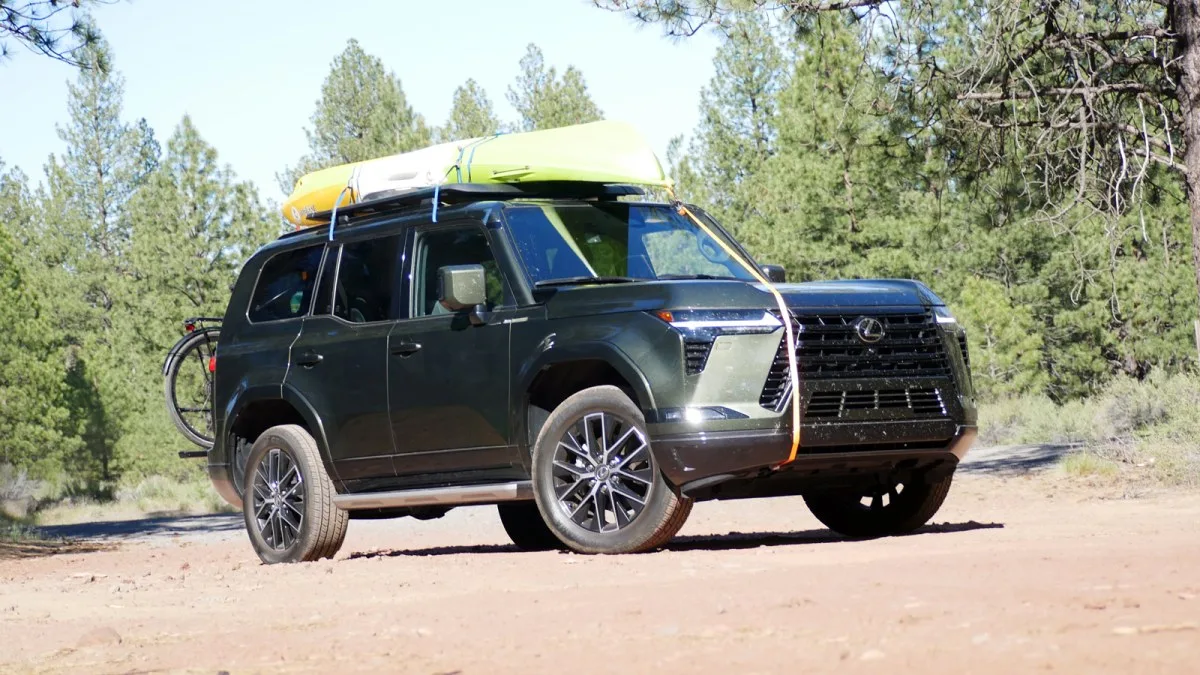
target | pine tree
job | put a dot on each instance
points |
(35, 427)
(546, 101)
(362, 114)
(193, 227)
(739, 110)
(471, 115)
(80, 243)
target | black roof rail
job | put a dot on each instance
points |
(466, 193)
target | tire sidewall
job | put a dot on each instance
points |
(286, 440)
(611, 400)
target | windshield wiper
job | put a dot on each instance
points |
(696, 276)
(584, 280)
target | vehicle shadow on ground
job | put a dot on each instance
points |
(126, 530)
(737, 540)
(719, 542)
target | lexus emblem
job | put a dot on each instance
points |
(869, 330)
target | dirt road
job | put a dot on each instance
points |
(1021, 572)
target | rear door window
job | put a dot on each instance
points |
(286, 284)
(367, 280)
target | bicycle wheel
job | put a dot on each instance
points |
(189, 386)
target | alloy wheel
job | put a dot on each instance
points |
(278, 494)
(603, 472)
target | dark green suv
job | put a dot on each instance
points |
(590, 364)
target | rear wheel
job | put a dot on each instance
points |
(525, 527)
(597, 485)
(892, 507)
(287, 500)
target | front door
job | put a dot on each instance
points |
(448, 379)
(339, 362)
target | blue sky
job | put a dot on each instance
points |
(249, 72)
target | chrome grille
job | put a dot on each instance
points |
(828, 348)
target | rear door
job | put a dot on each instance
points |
(339, 361)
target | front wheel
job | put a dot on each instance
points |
(595, 480)
(892, 507)
(287, 501)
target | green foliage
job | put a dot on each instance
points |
(52, 28)
(100, 267)
(544, 100)
(1145, 425)
(813, 155)
(34, 421)
(362, 114)
(1005, 343)
(471, 115)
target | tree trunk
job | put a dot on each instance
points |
(1185, 20)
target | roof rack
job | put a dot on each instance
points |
(466, 193)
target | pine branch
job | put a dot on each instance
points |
(1057, 92)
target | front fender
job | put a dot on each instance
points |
(589, 351)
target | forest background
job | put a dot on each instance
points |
(934, 141)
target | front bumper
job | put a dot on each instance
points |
(697, 460)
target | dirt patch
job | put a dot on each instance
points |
(1017, 574)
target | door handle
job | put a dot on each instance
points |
(406, 349)
(309, 359)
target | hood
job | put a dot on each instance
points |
(718, 294)
(857, 293)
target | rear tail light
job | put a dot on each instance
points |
(212, 364)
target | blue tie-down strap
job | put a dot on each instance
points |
(333, 215)
(437, 189)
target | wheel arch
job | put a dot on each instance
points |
(260, 408)
(558, 373)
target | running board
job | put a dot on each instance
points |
(447, 496)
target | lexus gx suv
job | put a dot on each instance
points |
(591, 365)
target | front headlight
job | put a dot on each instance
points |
(944, 316)
(713, 322)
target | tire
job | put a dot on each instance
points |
(525, 527)
(628, 475)
(898, 509)
(195, 347)
(321, 524)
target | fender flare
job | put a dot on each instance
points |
(245, 397)
(583, 351)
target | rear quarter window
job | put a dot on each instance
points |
(285, 285)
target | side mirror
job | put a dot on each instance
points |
(775, 273)
(462, 286)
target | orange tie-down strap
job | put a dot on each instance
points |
(784, 316)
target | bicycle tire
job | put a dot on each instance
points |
(185, 350)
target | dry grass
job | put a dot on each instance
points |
(1137, 430)
(156, 496)
(54, 501)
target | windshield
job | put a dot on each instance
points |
(615, 241)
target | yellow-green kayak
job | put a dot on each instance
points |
(603, 152)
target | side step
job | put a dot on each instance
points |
(447, 496)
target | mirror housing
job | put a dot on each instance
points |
(776, 274)
(462, 287)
